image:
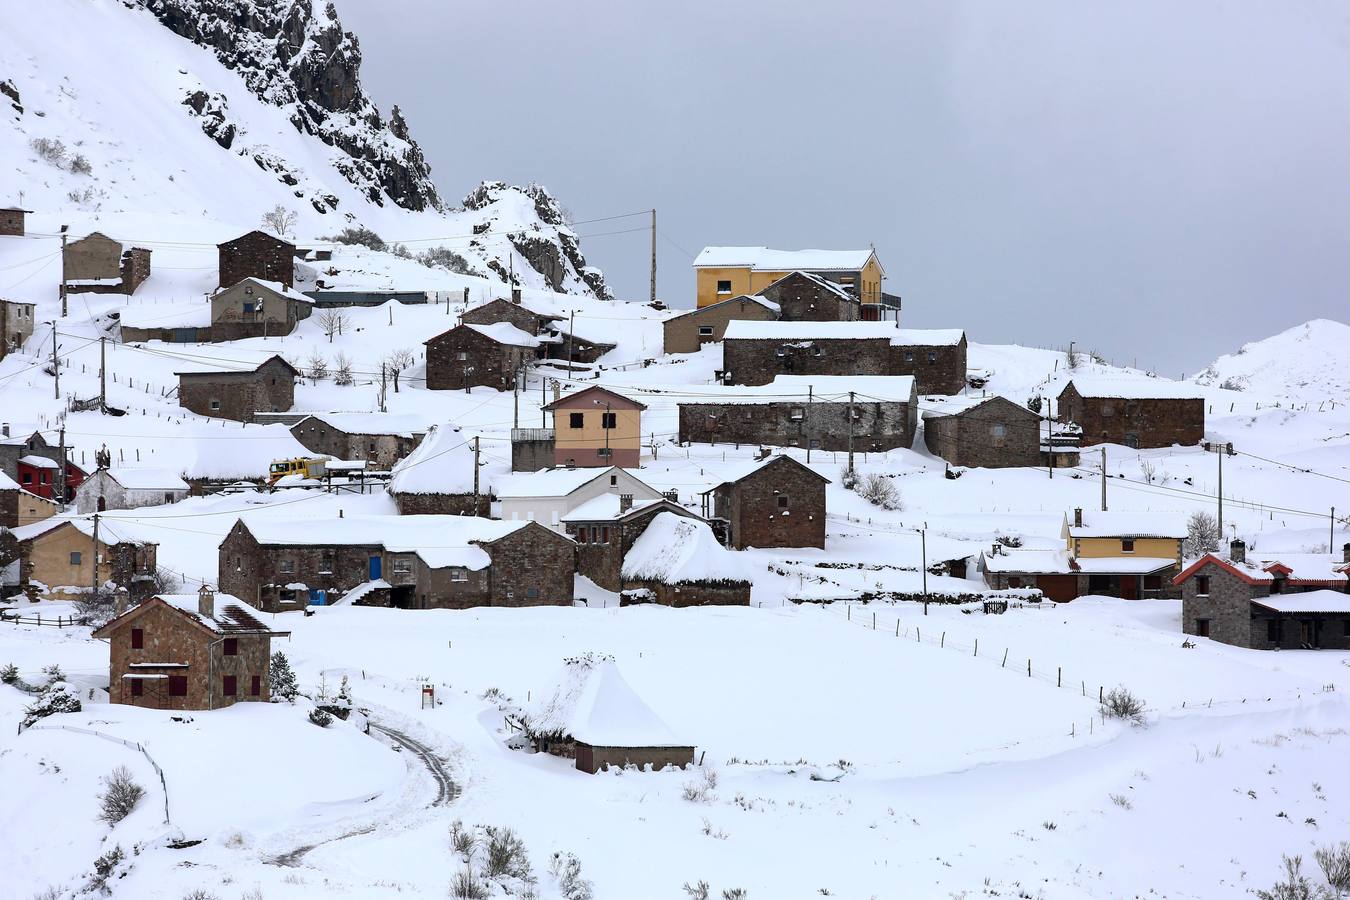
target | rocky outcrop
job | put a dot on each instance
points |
(213, 111)
(295, 53)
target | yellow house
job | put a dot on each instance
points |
(1125, 553)
(725, 272)
(58, 556)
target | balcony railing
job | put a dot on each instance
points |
(531, 434)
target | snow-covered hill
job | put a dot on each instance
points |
(107, 113)
(1307, 362)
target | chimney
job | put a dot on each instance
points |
(996, 549)
(1345, 553)
(1078, 517)
(120, 599)
(206, 602)
(625, 502)
(4, 430)
(515, 295)
(1237, 551)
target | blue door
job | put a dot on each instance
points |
(317, 597)
(375, 568)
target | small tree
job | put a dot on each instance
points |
(342, 370)
(320, 718)
(57, 697)
(317, 366)
(1202, 534)
(166, 582)
(120, 795)
(281, 675)
(1071, 359)
(397, 361)
(280, 220)
(1149, 469)
(332, 321)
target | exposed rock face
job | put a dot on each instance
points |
(294, 52)
(214, 113)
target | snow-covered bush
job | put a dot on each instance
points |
(1295, 885)
(281, 675)
(316, 366)
(468, 886)
(320, 718)
(445, 258)
(79, 164)
(104, 867)
(49, 150)
(506, 856)
(1119, 703)
(53, 673)
(566, 870)
(878, 490)
(56, 697)
(1202, 534)
(9, 673)
(849, 478)
(360, 236)
(120, 795)
(1034, 403)
(1334, 861)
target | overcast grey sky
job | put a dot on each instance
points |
(1158, 180)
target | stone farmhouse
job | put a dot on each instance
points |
(19, 507)
(16, 325)
(678, 561)
(808, 411)
(557, 337)
(251, 308)
(469, 356)
(605, 529)
(1115, 554)
(1135, 412)
(259, 255)
(513, 312)
(198, 651)
(805, 297)
(755, 353)
(97, 264)
(773, 503)
(1286, 601)
(57, 556)
(725, 272)
(596, 427)
(408, 562)
(239, 394)
(687, 331)
(381, 439)
(549, 496)
(128, 488)
(982, 432)
(437, 478)
(12, 220)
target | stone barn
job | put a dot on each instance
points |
(381, 439)
(469, 356)
(677, 561)
(437, 478)
(1140, 412)
(239, 394)
(16, 325)
(775, 503)
(98, 264)
(257, 255)
(802, 296)
(982, 432)
(513, 312)
(129, 488)
(257, 308)
(12, 221)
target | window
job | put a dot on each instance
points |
(609, 420)
(461, 357)
(797, 414)
(1127, 545)
(1108, 409)
(1014, 581)
(458, 574)
(230, 685)
(1153, 582)
(932, 356)
(138, 639)
(1202, 627)
(604, 534)
(137, 687)
(177, 685)
(402, 566)
(705, 331)
(998, 433)
(27, 477)
(816, 350)
(168, 497)
(613, 480)
(1202, 585)
(248, 307)
(231, 647)
(576, 420)
(75, 557)
(255, 686)
(724, 286)
(595, 534)
(287, 566)
(1273, 630)
(214, 404)
(909, 356)
(604, 451)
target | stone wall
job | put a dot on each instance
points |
(682, 333)
(602, 560)
(690, 593)
(94, 256)
(485, 362)
(442, 504)
(937, 368)
(877, 425)
(782, 504)
(995, 434)
(257, 255)
(801, 298)
(1227, 607)
(11, 222)
(532, 566)
(1143, 423)
(135, 268)
(533, 453)
(756, 361)
(593, 759)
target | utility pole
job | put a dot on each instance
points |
(103, 374)
(475, 475)
(515, 400)
(56, 362)
(653, 256)
(604, 426)
(1222, 450)
(94, 558)
(850, 432)
(62, 482)
(571, 326)
(1103, 479)
(383, 386)
(923, 550)
(1049, 440)
(1331, 541)
(543, 401)
(65, 310)
(810, 396)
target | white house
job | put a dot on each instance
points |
(549, 494)
(128, 488)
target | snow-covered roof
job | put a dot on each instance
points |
(247, 454)
(606, 507)
(232, 615)
(1122, 565)
(112, 529)
(744, 298)
(937, 407)
(734, 472)
(1014, 560)
(405, 424)
(440, 540)
(166, 315)
(1306, 566)
(39, 462)
(1127, 524)
(819, 388)
(1134, 388)
(505, 333)
(1307, 602)
(774, 330)
(764, 259)
(836, 289)
(594, 704)
(677, 549)
(8, 484)
(147, 479)
(275, 287)
(441, 464)
(546, 482)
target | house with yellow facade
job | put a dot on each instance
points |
(725, 272)
(1115, 554)
(596, 427)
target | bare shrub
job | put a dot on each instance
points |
(397, 361)
(566, 868)
(1334, 861)
(1295, 885)
(468, 886)
(700, 791)
(166, 582)
(506, 856)
(1119, 703)
(342, 371)
(79, 164)
(445, 258)
(849, 478)
(698, 890)
(95, 608)
(49, 150)
(401, 251)
(120, 795)
(280, 220)
(735, 894)
(50, 893)
(253, 893)
(462, 840)
(359, 236)
(1149, 470)
(877, 489)
(333, 321)
(1202, 534)
(200, 894)
(1122, 801)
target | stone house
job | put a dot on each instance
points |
(437, 478)
(1286, 601)
(982, 432)
(686, 332)
(19, 507)
(605, 529)
(596, 427)
(550, 495)
(382, 439)
(571, 345)
(129, 488)
(240, 394)
(755, 353)
(774, 503)
(57, 556)
(513, 312)
(809, 412)
(409, 562)
(557, 337)
(253, 307)
(12, 221)
(36, 465)
(723, 272)
(806, 297)
(98, 264)
(1142, 412)
(678, 561)
(16, 325)
(257, 255)
(469, 356)
(198, 651)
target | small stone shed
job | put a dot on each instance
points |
(437, 478)
(774, 503)
(239, 394)
(981, 432)
(678, 561)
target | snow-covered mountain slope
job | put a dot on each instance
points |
(1307, 362)
(108, 115)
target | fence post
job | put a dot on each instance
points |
(918, 635)
(1028, 668)
(977, 646)
(897, 627)
(1004, 664)
(1059, 676)
(874, 621)
(1101, 694)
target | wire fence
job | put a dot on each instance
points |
(132, 745)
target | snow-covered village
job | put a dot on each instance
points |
(360, 540)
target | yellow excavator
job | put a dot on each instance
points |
(307, 467)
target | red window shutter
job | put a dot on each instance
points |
(231, 685)
(137, 687)
(177, 685)
(604, 534)
(137, 639)
(255, 686)
(232, 646)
